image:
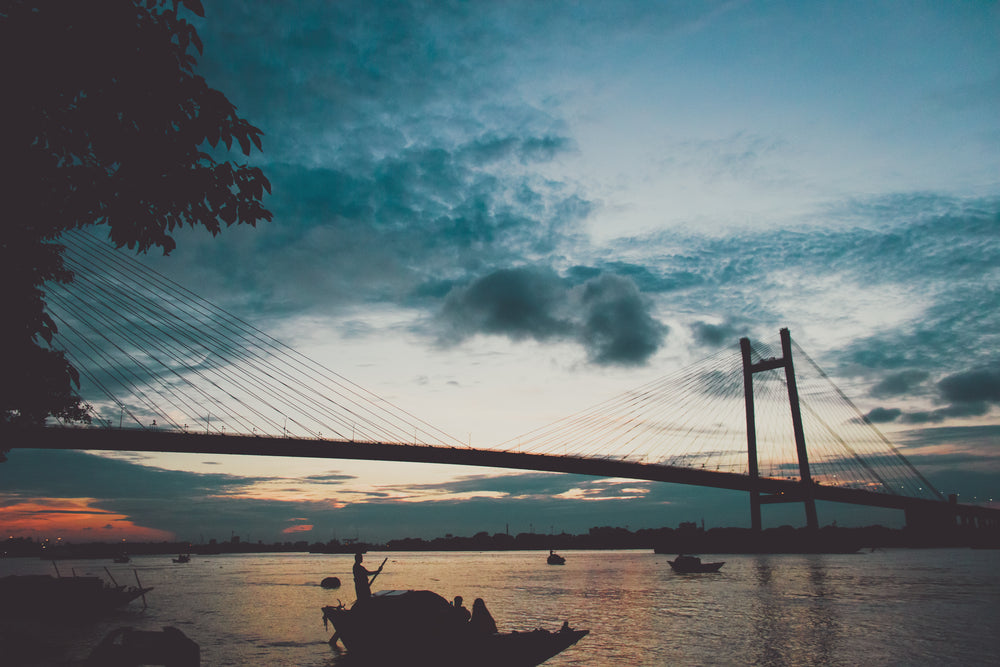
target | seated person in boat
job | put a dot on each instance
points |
(482, 622)
(463, 612)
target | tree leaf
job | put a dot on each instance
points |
(194, 6)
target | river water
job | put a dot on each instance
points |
(891, 607)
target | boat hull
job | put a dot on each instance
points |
(422, 627)
(44, 595)
(695, 567)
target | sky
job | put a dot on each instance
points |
(497, 214)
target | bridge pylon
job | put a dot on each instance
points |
(807, 495)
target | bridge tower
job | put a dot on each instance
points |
(756, 498)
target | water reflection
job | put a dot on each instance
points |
(823, 624)
(794, 621)
(767, 637)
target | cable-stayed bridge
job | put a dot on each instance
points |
(165, 370)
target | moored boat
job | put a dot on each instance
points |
(126, 647)
(688, 564)
(43, 594)
(555, 559)
(183, 558)
(422, 627)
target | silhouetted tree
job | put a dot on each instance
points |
(103, 121)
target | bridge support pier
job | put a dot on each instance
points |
(807, 495)
(755, 519)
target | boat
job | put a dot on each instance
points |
(183, 558)
(687, 564)
(555, 559)
(126, 647)
(411, 626)
(80, 597)
(122, 558)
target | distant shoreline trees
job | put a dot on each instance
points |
(664, 540)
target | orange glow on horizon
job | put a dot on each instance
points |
(302, 528)
(73, 520)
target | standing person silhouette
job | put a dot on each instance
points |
(362, 587)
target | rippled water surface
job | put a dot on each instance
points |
(894, 607)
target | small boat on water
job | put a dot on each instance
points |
(183, 558)
(687, 564)
(421, 627)
(122, 558)
(555, 559)
(45, 595)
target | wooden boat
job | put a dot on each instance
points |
(687, 564)
(555, 559)
(126, 647)
(45, 595)
(411, 627)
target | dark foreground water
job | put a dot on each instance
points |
(894, 607)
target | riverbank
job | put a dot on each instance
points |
(687, 538)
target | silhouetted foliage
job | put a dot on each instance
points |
(104, 122)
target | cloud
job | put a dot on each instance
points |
(975, 386)
(903, 382)
(714, 335)
(72, 474)
(301, 528)
(618, 327)
(969, 394)
(517, 303)
(330, 478)
(941, 414)
(606, 314)
(884, 415)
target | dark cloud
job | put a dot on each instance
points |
(984, 438)
(941, 414)
(487, 150)
(330, 477)
(606, 314)
(618, 328)
(884, 415)
(975, 386)
(714, 335)
(71, 474)
(968, 394)
(895, 384)
(517, 303)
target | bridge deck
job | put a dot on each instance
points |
(206, 443)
